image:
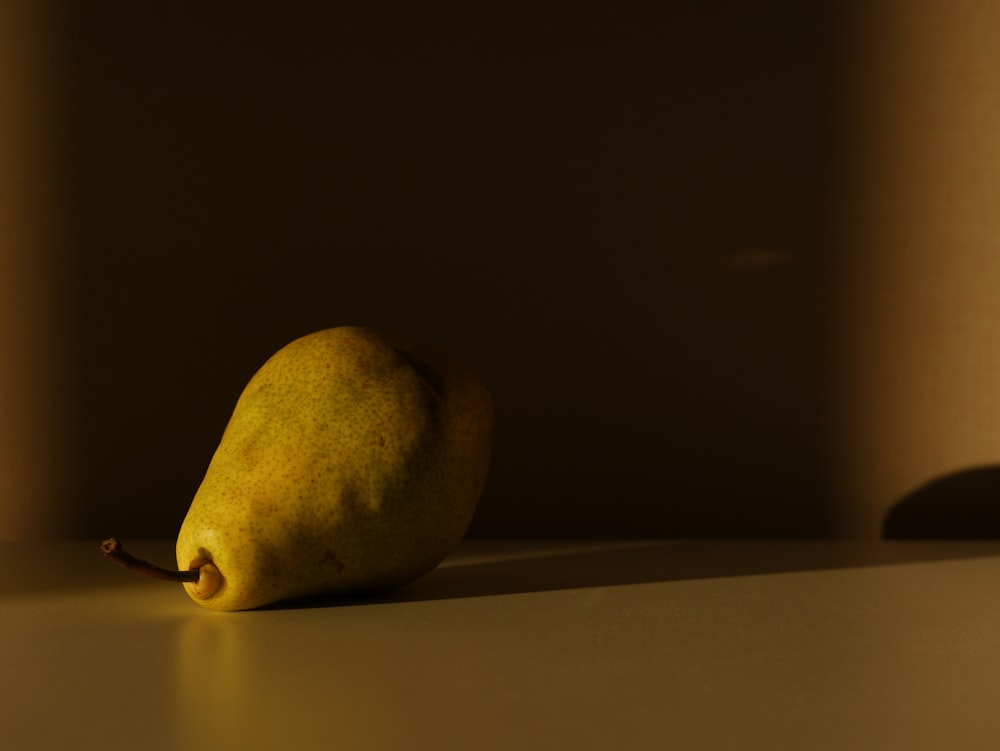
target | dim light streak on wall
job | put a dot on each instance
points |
(29, 465)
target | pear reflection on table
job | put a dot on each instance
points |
(214, 686)
(242, 680)
(226, 694)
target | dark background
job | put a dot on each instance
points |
(618, 213)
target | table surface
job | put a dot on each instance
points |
(519, 645)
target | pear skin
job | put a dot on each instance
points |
(351, 464)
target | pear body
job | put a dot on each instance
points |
(351, 464)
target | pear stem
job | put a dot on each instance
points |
(113, 549)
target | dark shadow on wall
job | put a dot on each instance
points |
(960, 505)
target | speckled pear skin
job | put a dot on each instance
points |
(351, 464)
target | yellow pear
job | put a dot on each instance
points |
(351, 464)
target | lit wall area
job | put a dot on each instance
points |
(729, 269)
(918, 369)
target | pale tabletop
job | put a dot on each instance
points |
(519, 645)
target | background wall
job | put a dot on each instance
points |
(631, 219)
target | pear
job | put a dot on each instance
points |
(351, 464)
